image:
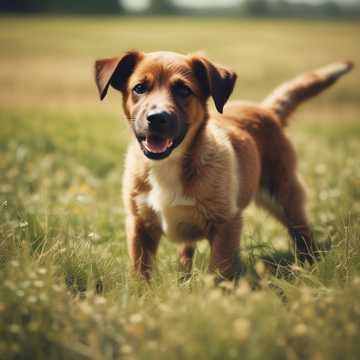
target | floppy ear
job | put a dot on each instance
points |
(216, 81)
(115, 71)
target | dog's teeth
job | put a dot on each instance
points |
(157, 148)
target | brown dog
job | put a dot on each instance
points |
(190, 175)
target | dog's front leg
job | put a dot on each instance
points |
(224, 240)
(143, 240)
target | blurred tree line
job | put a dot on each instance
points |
(61, 6)
(246, 8)
(282, 8)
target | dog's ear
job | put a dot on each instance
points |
(215, 81)
(115, 71)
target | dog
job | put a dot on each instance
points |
(190, 174)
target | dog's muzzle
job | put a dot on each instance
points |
(162, 135)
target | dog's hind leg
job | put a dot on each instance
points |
(186, 255)
(286, 202)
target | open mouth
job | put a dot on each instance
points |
(157, 147)
(156, 144)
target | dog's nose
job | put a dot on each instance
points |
(158, 120)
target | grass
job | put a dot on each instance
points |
(65, 288)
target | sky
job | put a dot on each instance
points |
(138, 5)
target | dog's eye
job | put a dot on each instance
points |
(140, 89)
(182, 90)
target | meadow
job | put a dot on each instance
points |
(65, 287)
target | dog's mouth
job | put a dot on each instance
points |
(156, 147)
(156, 144)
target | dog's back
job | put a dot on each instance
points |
(265, 122)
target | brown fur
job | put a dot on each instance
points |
(223, 162)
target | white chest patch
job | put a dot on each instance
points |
(167, 190)
(168, 200)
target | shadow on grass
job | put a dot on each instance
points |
(280, 264)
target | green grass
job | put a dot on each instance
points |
(65, 288)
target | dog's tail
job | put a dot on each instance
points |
(285, 99)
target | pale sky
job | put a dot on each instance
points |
(138, 5)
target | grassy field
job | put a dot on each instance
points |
(65, 288)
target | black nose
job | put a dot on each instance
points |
(158, 120)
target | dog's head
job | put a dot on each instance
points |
(164, 95)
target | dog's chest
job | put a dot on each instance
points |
(180, 218)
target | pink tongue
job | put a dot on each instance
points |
(157, 145)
